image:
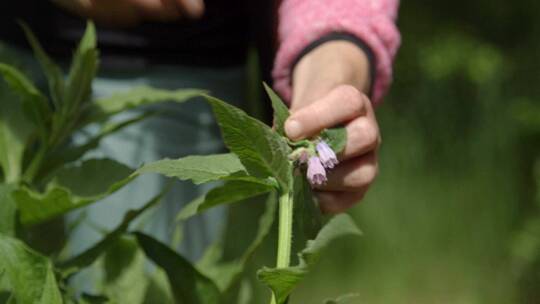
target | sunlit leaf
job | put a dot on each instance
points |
(263, 152)
(199, 169)
(281, 112)
(30, 274)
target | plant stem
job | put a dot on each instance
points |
(285, 232)
(35, 164)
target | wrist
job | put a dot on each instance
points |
(330, 64)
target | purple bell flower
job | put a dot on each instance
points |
(327, 155)
(315, 171)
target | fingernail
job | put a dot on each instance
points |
(293, 128)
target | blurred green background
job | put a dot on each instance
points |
(454, 216)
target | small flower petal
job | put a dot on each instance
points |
(327, 155)
(316, 173)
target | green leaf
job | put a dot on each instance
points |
(344, 299)
(82, 71)
(262, 151)
(336, 138)
(283, 280)
(89, 256)
(199, 169)
(15, 130)
(231, 192)
(73, 187)
(124, 267)
(30, 274)
(308, 216)
(34, 102)
(8, 210)
(281, 112)
(189, 286)
(228, 273)
(137, 97)
(54, 74)
(70, 154)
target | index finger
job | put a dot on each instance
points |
(342, 104)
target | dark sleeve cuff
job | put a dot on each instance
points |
(346, 37)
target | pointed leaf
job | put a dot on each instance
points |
(139, 96)
(82, 71)
(283, 280)
(281, 112)
(199, 169)
(189, 286)
(30, 274)
(231, 192)
(34, 102)
(73, 187)
(262, 151)
(54, 74)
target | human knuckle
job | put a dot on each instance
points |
(369, 134)
(352, 98)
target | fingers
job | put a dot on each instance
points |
(168, 10)
(341, 105)
(362, 137)
(354, 174)
(336, 202)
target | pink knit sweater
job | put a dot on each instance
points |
(304, 21)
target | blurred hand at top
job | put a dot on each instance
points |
(329, 85)
(122, 13)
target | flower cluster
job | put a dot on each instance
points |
(325, 158)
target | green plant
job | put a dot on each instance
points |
(43, 179)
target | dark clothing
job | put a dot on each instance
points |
(220, 38)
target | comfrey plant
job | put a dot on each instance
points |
(44, 178)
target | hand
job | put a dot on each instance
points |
(327, 91)
(124, 13)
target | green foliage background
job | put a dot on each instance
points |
(451, 216)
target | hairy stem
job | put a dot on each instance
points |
(285, 232)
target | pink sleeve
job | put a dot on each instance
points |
(301, 22)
